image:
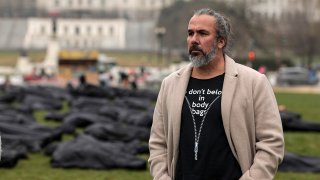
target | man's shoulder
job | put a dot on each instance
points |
(246, 74)
(233, 68)
(180, 71)
(245, 70)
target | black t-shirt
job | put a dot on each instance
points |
(214, 157)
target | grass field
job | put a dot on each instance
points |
(9, 58)
(128, 59)
(301, 143)
(37, 166)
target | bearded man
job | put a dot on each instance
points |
(215, 118)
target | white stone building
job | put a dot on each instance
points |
(103, 5)
(77, 33)
(129, 9)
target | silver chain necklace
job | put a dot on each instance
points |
(197, 134)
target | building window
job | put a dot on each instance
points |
(111, 31)
(70, 2)
(103, 2)
(77, 30)
(88, 30)
(66, 30)
(79, 2)
(100, 30)
(89, 2)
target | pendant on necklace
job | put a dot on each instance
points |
(196, 151)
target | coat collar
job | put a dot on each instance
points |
(230, 66)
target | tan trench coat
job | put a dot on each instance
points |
(250, 117)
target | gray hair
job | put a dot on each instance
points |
(223, 28)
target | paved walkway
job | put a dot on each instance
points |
(313, 89)
(298, 89)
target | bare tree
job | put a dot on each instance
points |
(246, 33)
(303, 37)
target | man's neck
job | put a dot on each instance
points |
(213, 69)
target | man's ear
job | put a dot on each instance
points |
(221, 43)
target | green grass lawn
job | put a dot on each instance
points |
(127, 59)
(37, 166)
(301, 143)
(9, 58)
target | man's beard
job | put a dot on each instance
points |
(202, 60)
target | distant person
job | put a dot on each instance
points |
(312, 76)
(104, 79)
(262, 69)
(292, 121)
(82, 80)
(111, 79)
(215, 119)
(6, 83)
(83, 84)
(124, 79)
(142, 70)
(133, 81)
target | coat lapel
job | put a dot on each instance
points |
(229, 86)
(180, 87)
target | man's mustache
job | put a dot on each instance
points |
(195, 48)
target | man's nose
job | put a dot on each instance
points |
(195, 39)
